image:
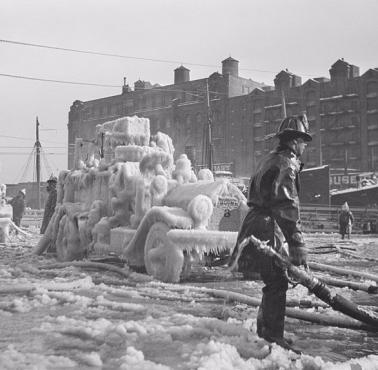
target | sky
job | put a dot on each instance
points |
(266, 36)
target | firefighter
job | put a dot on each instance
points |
(50, 203)
(18, 204)
(274, 216)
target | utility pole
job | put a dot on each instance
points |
(345, 158)
(37, 147)
(208, 138)
(283, 102)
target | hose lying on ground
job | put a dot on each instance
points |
(125, 272)
(19, 229)
(342, 271)
(318, 318)
(336, 301)
(371, 289)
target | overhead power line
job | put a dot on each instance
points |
(27, 153)
(30, 139)
(57, 81)
(114, 55)
(26, 147)
(153, 89)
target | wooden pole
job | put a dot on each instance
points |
(283, 102)
(38, 161)
(209, 148)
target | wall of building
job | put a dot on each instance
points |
(342, 112)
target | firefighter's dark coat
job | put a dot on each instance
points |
(49, 208)
(274, 209)
(18, 204)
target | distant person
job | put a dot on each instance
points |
(18, 204)
(50, 202)
(346, 220)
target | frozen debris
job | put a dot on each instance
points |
(12, 358)
(124, 131)
(71, 298)
(134, 359)
(92, 359)
(62, 284)
(119, 306)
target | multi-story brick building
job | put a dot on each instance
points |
(342, 111)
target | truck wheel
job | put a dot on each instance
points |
(163, 260)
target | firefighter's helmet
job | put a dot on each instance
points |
(294, 126)
(52, 179)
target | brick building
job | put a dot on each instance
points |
(342, 111)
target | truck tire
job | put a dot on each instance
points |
(163, 260)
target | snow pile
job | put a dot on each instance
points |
(62, 284)
(120, 306)
(218, 345)
(11, 359)
(134, 359)
(91, 359)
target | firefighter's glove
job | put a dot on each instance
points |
(298, 254)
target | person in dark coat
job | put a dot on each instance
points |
(18, 204)
(346, 220)
(274, 216)
(50, 202)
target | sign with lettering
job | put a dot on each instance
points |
(353, 180)
(219, 166)
(222, 167)
(342, 180)
(229, 203)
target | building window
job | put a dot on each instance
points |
(355, 105)
(372, 87)
(310, 96)
(311, 111)
(372, 119)
(372, 104)
(373, 157)
(198, 118)
(188, 125)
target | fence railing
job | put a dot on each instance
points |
(326, 218)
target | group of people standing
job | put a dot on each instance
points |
(18, 204)
(273, 216)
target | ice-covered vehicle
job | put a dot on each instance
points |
(239, 183)
(138, 202)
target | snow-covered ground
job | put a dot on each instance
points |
(84, 319)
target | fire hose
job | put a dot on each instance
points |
(315, 286)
